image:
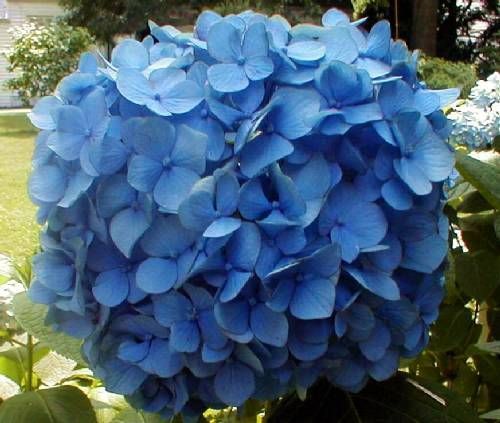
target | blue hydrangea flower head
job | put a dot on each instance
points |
(235, 212)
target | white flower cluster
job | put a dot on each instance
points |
(476, 121)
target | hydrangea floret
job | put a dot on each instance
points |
(476, 121)
(235, 212)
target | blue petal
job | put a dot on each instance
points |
(171, 307)
(378, 282)
(339, 45)
(224, 42)
(244, 246)
(397, 195)
(123, 378)
(210, 330)
(376, 345)
(126, 228)
(53, 272)
(162, 360)
(282, 295)
(156, 275)
(227, 193)
(255, 42)
(190, 149)
(113, 195)
(78, 184)
(313, 299)
(41, 114)
(221, 227)
(47, 184)
(167, 237)
(234, 383)
(263, 151)
(130, 54)
(258, 68)
(306, 51)
(379, 40)
(40, 294)
(143, 173)
(236, 281)
(424, 255)
(253, 202)
(111, 287)
(182, 97)
(197, 211)
(227, 77)
(269, 326)
(233, 316)
(385, 367)
(185, 336)
(134, 86)
(173, 187)
(292, 108)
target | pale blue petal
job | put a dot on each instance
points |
(227, 77)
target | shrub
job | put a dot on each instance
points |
(32, 55)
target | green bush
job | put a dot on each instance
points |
(439, 73)
(41, 55)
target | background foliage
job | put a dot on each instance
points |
(31, 57)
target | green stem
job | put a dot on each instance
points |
(29, 379)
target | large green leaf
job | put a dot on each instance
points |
(32, 317)
(483, 176)
(477, 273)
(489, 347)
(57, 405)
(451, 329)
(401, 399)
(493, 415)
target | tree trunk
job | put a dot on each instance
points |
(424, 26)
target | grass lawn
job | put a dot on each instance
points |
(18, 229)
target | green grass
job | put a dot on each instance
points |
(18, 228)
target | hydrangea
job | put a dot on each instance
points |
(476, 121)
(235, 212)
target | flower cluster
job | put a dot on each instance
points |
(476, 121)
(235, 212)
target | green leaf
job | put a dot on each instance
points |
(12, 368)
(451, 328)
(489, 368)
(483, 176)
(133, 416)
(477, 273)
(32, 317)
(493, 415)
(399, 399)
(489, 347)
(465, 381)
(496, 225)
(53, 368)
(473, 202)
(57, 405)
